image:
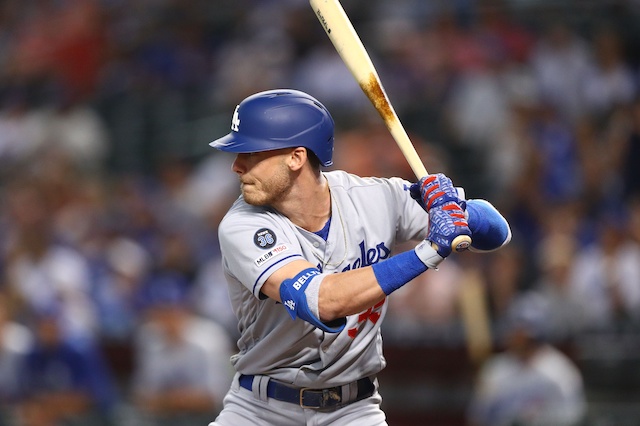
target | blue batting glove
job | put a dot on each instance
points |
(448, 228)
(433, 191)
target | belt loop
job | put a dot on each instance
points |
(264, 382)
(349, 392)
(259, 387)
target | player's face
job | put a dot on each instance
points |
(265, 177)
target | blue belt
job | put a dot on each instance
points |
(319, 399)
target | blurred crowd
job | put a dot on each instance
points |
(112, 293)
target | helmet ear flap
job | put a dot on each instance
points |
(313, 160)
(278, 119)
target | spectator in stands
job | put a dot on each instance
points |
(15, 342)
(609, 81)
(40, 270)
(560, 61)
(76, 131)
(182, 368)
(606, 276)
(630, 170)
(532, 382)
(555, 261)
(67, 382)
(119, 279)
(22, 129)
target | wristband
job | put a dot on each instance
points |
(398, 270)
(428, 255)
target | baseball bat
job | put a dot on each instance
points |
(346, 41)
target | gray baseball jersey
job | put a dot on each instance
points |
(369, 216)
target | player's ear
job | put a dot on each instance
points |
(297, 158)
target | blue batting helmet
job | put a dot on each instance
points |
(278, 119)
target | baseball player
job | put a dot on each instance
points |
(309, 259)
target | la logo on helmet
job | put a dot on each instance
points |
(235, 121)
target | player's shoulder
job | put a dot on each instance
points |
(349, 181)
(241, 208)
(241, 214)
(242, 218)
(367, 189)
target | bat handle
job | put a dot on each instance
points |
(461, 243)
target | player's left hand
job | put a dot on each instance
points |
(435, 190)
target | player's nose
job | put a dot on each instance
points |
(239, 166)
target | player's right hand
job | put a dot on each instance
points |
(448, 228)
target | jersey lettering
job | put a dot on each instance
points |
(369, 257)
(235, 121)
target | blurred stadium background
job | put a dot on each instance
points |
(111, 195)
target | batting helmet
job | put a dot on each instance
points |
(277, 119)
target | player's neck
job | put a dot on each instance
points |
(309, 203)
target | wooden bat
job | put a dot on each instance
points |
(338, 27)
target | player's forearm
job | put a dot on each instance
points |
(354, 291)
(325, 300)
(348, 293)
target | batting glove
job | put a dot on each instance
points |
(448, 228)
(435, 190)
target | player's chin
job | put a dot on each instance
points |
(252, 196)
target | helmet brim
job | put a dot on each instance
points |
(242, 144)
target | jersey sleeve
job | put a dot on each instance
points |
(254, 246)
